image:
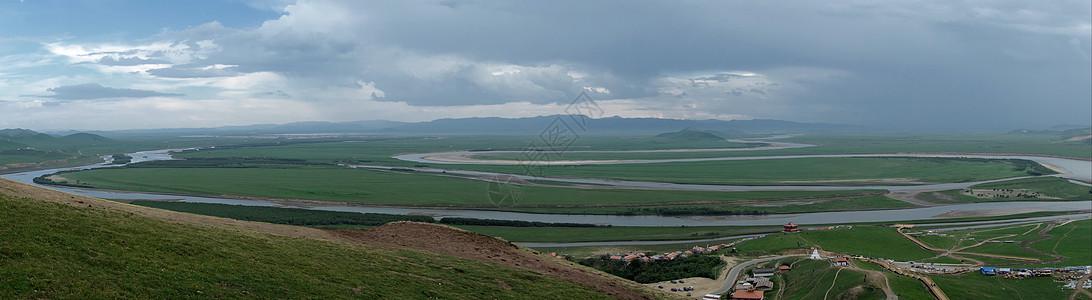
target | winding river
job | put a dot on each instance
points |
(1071, 169)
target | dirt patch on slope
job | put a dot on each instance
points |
(446, 240)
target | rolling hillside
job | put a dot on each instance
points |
(57, 245)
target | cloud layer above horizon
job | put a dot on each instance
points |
(890, 64)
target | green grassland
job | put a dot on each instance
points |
(856, 143)
(974, 285)
(1052, 188)
(380, 150)
(56, 251)
(35, 151)
(413, 189)
(282, 215)
(904, 287)
(1073, 241)
(810, 279)
(968, 142)
(336, 219)
(614, 233)
(796, 171)
(883, 242)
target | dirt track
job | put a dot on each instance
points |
(422, 237)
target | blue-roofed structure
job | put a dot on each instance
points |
(989, 271)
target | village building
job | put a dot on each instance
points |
(763, 272)
(841, 262)
(989, 271)
(784, 268)
(815, 254)
(760, 283)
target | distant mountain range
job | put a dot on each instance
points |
(18, 138)
(531, 125)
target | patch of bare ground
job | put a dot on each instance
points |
(701, 285)
(985, 212)
(877, 278)
(446, 240)
(1078, 138)
(421, 237)
(911, 196)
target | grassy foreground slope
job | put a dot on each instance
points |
(93, 249)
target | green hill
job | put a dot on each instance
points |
(42, 141)
(690, 134)
(694, 134)
(95, 249)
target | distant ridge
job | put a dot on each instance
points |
(494, 125)
(24, 138)
(694, 134)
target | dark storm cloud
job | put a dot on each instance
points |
(89, 91)
(899, 63)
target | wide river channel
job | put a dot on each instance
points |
(1075, 169)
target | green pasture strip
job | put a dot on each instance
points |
(1050, 187)
(978, 142)
(904, 287)
(385, 187)
(795, 171)
(614, 233)
(884, 242)
(810, 279)
(281, 215)
(974, 286)
(1076, 246)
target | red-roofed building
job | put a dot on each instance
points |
(747, 295)
(841, 261)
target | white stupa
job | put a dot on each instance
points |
(815, 254)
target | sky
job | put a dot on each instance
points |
(111, 64)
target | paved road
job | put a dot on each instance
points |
(730, 281)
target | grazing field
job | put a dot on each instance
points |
(281, 215)
(903, 286)
(974, 285)
(812, 279)
(1027, 189)
(798, 171)
(1072, 241)
(981, 142)
(412, 189)
(884, 242)
(614, 233)
(56, 251)
(378, 150)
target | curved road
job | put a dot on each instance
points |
(730, 280)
